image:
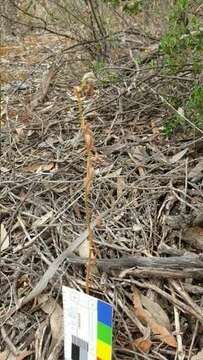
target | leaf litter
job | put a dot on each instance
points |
(146, 316)
(55, 314)
(146, 193)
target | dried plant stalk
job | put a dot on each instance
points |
(88, 181)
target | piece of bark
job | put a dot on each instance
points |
(43, 90)
(190, 262)
(163, 273)
(175, 262)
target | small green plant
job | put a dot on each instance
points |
(113, 2)
(105, 75)
(131, 7)
(172, 124)
(193, 110)
(194, 105)
(98, 66)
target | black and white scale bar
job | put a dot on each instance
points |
(79, 349)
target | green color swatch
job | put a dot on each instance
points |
(104, 333)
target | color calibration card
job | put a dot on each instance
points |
(87, 326)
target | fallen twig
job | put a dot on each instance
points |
(175, 262)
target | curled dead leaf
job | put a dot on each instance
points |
(39, 167)
(143, 344)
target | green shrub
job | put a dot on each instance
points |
(194, 105)
(182, 50)
(182, 44)
(193, 110)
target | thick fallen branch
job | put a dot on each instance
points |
(193, 263)
(162, 273)
(168, 263)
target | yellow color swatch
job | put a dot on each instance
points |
(104, 351)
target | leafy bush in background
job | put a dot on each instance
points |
(182, 44)
(182, 48)
(97, 25)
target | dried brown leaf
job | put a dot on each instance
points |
(143, 344)
(156, 311)
(143, 315)
(54, 310)
(39, 167)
